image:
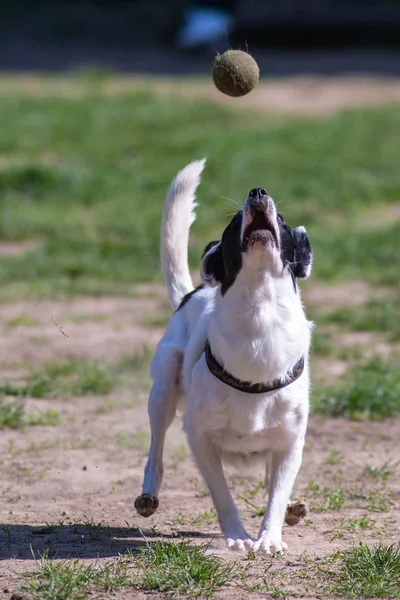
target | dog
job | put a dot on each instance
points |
(234, 357)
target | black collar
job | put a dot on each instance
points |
(245, 386)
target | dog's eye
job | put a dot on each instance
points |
(280, 218)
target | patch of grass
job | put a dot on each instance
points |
(346, 253)
(181, 568)
(368, 572)
(96, 230)
(43, 417)
(75, 580)
(352, 525)
(334, 457)
(14, 416)
(258, 511)
(370, 389)
(378, 314)
(84, 318)
(73, 377)
(382, 472)
(137, 440)
(327, 498)
(207, 516)
(22, 321)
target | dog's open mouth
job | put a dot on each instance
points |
(261, 230)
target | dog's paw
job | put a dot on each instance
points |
(266, 544)
(239, 545)
(295, 512)
(146, 504)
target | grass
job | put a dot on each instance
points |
(181, 568)
(368, 572)
(73, 377)
(80, 377)
(173, 568)
(369, 389)
(75, 580)
(22, 321)
(92, 163)
(14, 416)
(378, 314)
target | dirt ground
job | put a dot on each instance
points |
(59, 483)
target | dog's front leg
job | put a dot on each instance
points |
(208, 459)
(284, 467)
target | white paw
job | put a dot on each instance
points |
(239, 545)
(267, 544)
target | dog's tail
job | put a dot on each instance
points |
(179, 214)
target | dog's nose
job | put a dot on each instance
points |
(258, 200)
(257, 193)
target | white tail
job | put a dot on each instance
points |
(178, 215)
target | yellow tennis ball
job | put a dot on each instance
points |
(235, 73)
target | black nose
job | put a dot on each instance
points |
(257, 193)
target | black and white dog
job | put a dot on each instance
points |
(234, 358)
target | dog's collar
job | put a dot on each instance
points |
(245, 386)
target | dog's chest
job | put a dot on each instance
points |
(248, 426)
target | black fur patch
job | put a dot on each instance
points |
(302, 253)
(225, 262)
(208, 247)
(287, 242)
(187, 297)
(296, 249)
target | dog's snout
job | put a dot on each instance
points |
(257, 193)
(258, 200)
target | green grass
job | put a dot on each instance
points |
(368, 572)
(80, 377)
(76, 580)
(178, 569)
(14, 416)
(22, 321)
(181, 568)
(369, 389)
(73, 377)
(85, 177)
(378, 314)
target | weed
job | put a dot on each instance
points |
(138, 440)
(371, 389)
(181, 568)
(378, 314)
(74, 377)
(368, 572)
(352, 525)
(383, 472)
(14, 416)
(75, 580)
(209, 516)
(334, 457)
(22, 321)
(258, 511)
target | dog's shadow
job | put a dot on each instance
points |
(80, 540)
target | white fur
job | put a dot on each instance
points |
(178, 215)
(257, 331)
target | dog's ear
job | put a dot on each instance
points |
(303, 257)
(212, 268)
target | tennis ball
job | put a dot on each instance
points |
(235, 73)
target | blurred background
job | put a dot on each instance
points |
(176, 36)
